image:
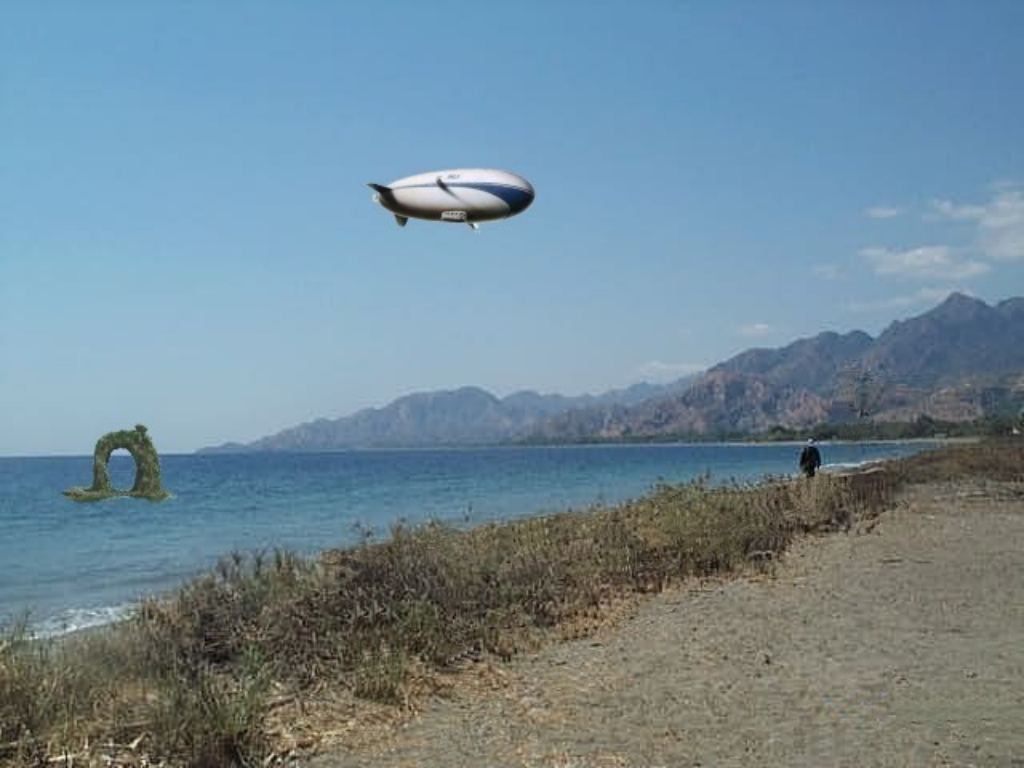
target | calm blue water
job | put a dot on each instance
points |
(71, 565)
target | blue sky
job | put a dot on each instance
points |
(187, 241)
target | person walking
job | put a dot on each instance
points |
(810, 458)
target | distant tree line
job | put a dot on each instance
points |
(923, 427)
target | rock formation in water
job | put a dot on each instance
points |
(147, 483)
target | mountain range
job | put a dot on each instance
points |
(464, 416)
(960, 361)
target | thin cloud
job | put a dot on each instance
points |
(754, 330)
(922, 296)
(948, 210)
(658, 370)
(930, 262)
(1000, 184)
(883, 212)
(999, 222)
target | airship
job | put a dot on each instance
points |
(461, 196)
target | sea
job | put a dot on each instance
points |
(66, 565)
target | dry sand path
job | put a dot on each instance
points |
(901, 646)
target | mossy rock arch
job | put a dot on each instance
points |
(147, 483)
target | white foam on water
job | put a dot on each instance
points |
(75, 619)
(840, 466)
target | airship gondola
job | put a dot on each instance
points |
(461, 195)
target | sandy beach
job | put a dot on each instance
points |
(898, 643)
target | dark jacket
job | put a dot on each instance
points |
(810, 460)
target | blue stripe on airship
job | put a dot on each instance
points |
(516, 198)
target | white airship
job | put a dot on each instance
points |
(462, 195)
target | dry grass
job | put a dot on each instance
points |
(999, 459)
(188, 681)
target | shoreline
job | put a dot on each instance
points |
(881, 646)
(486, 446)
(75, 618)
(389, 628)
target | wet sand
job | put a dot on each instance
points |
(899, 643)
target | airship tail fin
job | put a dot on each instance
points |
(401, 220)
(380, 188)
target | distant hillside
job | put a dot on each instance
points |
(465, 416)
(807, 363)
(960, 361)
(962, 339)
(720, 401)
